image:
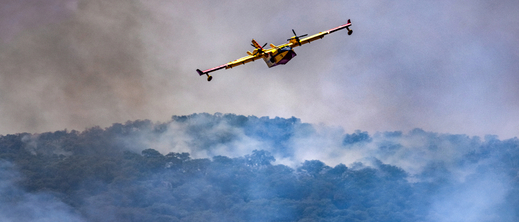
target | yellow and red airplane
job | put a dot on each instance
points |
(276, 55)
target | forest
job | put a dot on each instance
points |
(228, 167)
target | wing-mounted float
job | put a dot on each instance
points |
(275, 55)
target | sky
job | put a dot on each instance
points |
(442, 66)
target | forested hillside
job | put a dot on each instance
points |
(205, 167)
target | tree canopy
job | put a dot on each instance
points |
(121, 173)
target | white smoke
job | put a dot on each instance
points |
(19, 205)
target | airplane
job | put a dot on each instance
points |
(275, 55)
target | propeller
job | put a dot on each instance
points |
(297, 37)
(259, 50)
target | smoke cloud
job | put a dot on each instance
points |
(413, 93)
(446, 67)
(18, 205)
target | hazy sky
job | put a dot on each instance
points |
(443, 66)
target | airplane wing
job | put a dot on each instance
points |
(321, 35)
(232, 64)
(243, 60)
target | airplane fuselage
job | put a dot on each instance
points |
(279, 57)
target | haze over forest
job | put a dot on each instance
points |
(227, 167)
(414, 117)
